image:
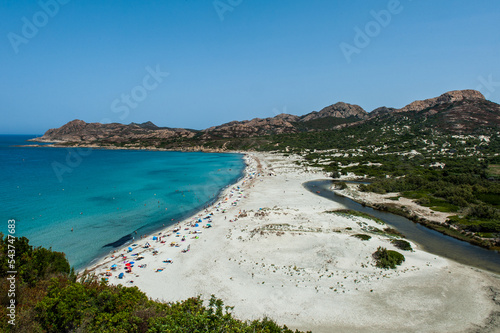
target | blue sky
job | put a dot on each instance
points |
(235, 59)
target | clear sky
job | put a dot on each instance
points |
(103, 61)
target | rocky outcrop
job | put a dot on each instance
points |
(462, 116)
(381, 111)
(337, 110)
(448, 97)
(288, 117)
(254, 127)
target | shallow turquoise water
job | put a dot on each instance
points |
(104, 195)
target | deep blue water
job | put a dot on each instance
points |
(104, 195)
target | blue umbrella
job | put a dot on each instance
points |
(129, 249)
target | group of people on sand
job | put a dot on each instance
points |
(203, 220)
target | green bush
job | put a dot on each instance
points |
(402, 244)
(340, 185)
(483, 211)
(362, 236)
(387, 258)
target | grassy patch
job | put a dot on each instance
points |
(441, 205)
(402, 244)
(451, 232)
(416, 194)
(487, 234)
(494, 170)
(388, 258)
(393, 198)
(362, 236)
(349, 212)
(475, 224)
(427, 200)
(374, 230)
(393, 232)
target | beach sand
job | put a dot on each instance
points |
(274, 250)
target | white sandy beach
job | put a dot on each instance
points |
(273, 251)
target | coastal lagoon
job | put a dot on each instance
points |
(79, 200)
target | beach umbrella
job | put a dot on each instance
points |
(113, 266)
(132, 262)
(154, 238)
(196, 225)
(121, 276)
(130, 249)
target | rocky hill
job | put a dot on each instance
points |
(460, 111)
(449, 97)
(381, 111)
(464, 116)
(287, 123)
(337, 110)
(254, 127)
(80, 131)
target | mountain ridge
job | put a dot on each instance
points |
(460, 110)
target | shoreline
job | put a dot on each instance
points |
(422, 215)
(102, 260)
(161, 229)
(277, 252)
(66, 144)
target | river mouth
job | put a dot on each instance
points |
(429, 240)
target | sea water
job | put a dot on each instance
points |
(84, 202)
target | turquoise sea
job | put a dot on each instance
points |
(106, 196)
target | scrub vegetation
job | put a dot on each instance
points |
(453, 173)
(387, 258)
